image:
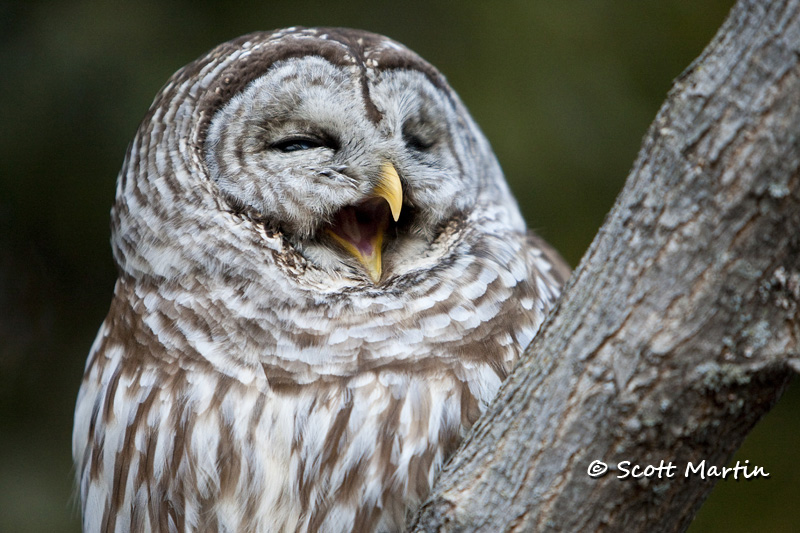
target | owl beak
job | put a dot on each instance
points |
(389, 189)
(359, 229)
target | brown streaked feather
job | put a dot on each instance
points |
(248, 377)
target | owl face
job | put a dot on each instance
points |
(333, 158)
(300, 151)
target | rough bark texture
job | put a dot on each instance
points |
(681, 326)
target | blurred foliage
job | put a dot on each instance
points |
(564, 91)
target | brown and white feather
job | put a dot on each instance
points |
(249, 376)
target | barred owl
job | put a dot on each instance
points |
(323, 279)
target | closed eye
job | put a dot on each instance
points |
(295, 144)
(418, 136)
(417, 143)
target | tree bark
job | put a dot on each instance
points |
(681, 326)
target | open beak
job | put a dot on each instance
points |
(359, 228)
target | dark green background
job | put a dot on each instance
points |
(563, 89)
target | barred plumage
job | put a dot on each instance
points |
(323, 280)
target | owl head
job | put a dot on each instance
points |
(338, 157)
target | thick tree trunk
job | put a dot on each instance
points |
(681, 326)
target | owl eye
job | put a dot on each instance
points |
(416, 142)
(295, 144)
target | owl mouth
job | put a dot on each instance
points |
(360, 228)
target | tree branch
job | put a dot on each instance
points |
(679, 329)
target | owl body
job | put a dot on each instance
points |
(323, 281)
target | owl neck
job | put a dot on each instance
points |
(244, 326)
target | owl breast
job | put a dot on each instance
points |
(350, 456)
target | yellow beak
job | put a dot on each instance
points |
(389, 189)
(360, 229)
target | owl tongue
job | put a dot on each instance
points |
(359, 229)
